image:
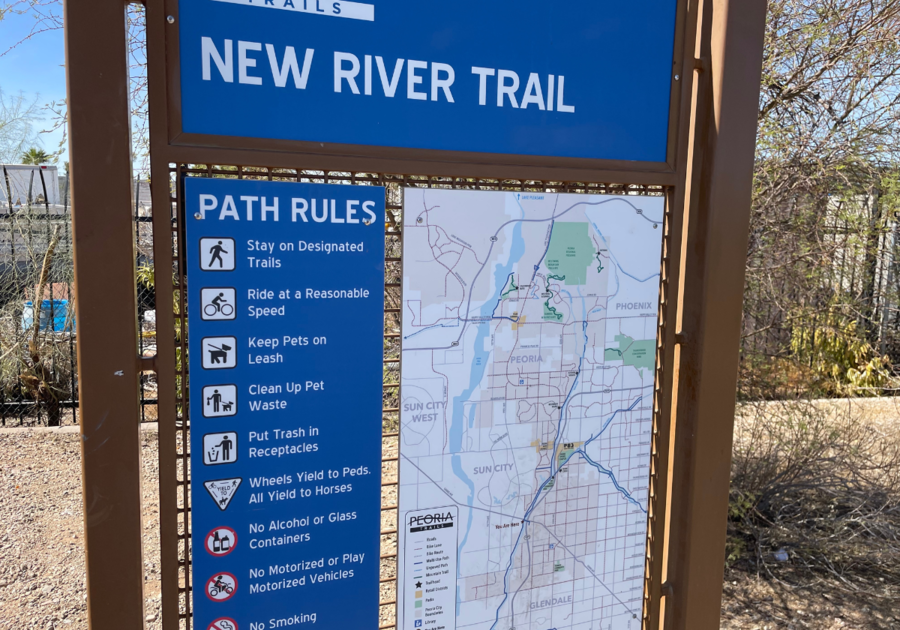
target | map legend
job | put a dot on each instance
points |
(428, 590)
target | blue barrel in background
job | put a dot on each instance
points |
(54, 314)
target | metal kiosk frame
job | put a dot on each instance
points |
(706, 181)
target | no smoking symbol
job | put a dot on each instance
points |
(223, 623)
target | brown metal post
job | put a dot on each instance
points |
(718, 189)
(166, 363)
(100, 149)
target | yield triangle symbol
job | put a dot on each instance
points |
(222, 491)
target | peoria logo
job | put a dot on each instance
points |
(425, 520)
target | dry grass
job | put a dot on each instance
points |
(815, 504)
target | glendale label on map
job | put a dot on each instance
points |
(285, 286)
(528, 344)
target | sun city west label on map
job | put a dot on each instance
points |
(528, 336)
(285, 312)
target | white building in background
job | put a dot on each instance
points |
(24, 184)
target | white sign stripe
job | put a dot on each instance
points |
(332, 8)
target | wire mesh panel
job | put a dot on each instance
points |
(394, 185)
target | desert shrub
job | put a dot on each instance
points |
(839, 360)
(816, 488)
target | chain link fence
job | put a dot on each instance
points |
(37, 310)
(822, 299)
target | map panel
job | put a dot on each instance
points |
(528, 348)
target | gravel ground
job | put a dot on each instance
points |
(42, 581)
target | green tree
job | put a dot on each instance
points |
(36, 156)
(829, 132)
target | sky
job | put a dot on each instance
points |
(36, 68)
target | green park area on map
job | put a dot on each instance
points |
(571, 252)
(636, 353)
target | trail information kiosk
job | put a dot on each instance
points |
(523, 479)
(285, 308)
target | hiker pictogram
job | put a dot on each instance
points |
(217, 303)
(221, 587)
(220, 448)
(221, 541)
(219, 401)
(222, 491)
(217, 254)
(219, 353)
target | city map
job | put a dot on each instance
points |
(529, 326)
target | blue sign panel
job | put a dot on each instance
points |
(580, 79)
(285, 312)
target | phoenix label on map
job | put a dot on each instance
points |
(528, 344)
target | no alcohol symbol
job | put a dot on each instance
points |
(221, 541)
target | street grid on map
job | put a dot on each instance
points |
(529, 336)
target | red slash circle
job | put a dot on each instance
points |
(221, 541)
(221, 587)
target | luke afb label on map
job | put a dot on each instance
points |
(528, 357)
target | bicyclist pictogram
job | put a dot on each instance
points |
(217, 303)
(221, 586)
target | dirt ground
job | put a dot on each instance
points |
(42, 583)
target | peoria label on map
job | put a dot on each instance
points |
(529, 334)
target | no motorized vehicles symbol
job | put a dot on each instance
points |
(221, 587)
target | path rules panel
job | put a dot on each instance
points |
(286, 316)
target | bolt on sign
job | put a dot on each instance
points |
(290, 527)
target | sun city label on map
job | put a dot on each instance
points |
(478, 78)
(528, 354)
(280, 272)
